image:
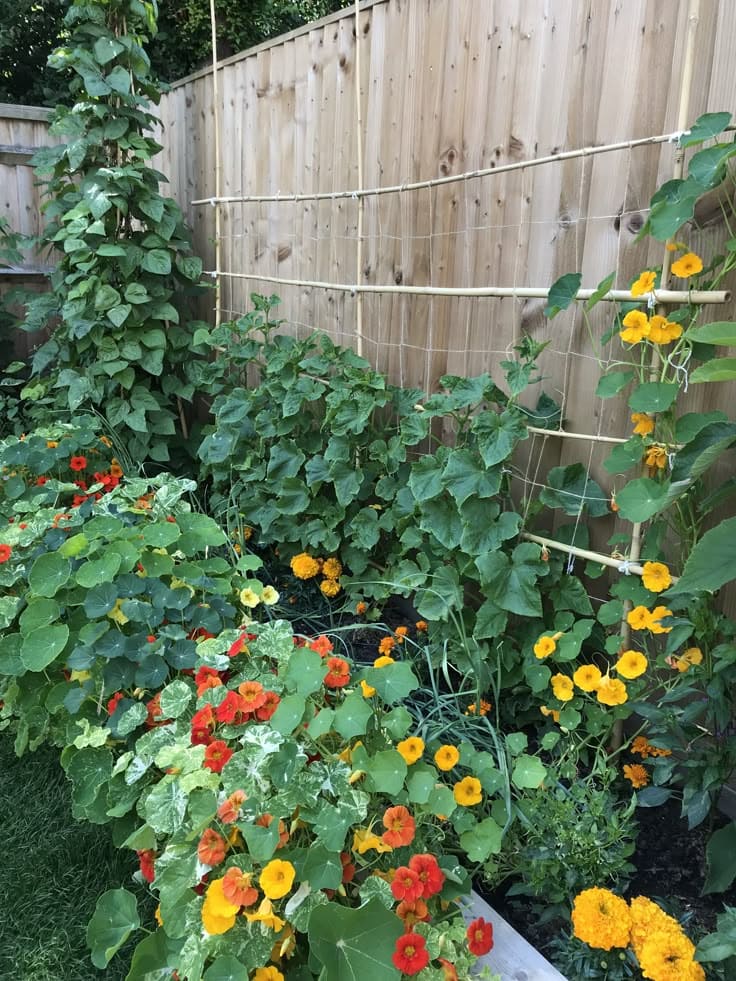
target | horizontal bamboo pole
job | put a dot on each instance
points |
(584, 553)
(517, 292)
(587, 151)
(590, 437)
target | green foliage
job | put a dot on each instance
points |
(123, 344)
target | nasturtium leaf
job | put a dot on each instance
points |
(130, 719)
(641, 499)
(355, 944)
(318, 866)
(39, 613)
(10, 660)
(705, 127)
(351, 718)
(74, 546)
(708, 166)
(49, 573)
(482, 841)
(612, 383)
(114, 919)
(393, 682)
(653, 396)
(289, 714)
(420, 784)
(386, 771)
(537, 676)
(697, 456)
(97, 571)
(159, 534)
(305, 672)
(671, 206)
(42, 645)
(397, 722)
(562, 293)
(516, 742)
(624, 456)
(321, 724)
(165, 806)
(441, 801)
(529, 772)
(199, 532)
(151, 958)
(600, 291)
(226, 968)
(88, 769)
(175, 699)
(570, 718)
(261, 841)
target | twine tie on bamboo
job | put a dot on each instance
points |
(681, 368)
(651, 301)
(625, 568)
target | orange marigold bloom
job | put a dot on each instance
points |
(400, 633)
(601, 919)
(360, 608)
(400, 827)
(636, 774)
(421, 626)
(304, 566)
(386, 645)
(332, 568)
(330, 588)
(212, 848)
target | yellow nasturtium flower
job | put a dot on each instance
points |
(611, 691)
(411, 749)
(277, 878)
(656, 576)
(631, 664)
(687, 265)
(643, 424)
(587, 677)
(446, 757)
(544, 647)
(644, 284)
(562, 687)
(218, 915)
(636, 327)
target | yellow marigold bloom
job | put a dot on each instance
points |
(587, 677)
(383, 660)
(368, 690)
(659, 613)
(468, 792)
(411, 749)
(656, 576)
(331, 569)
(277, 878)
(648, 918)
(631, 664)
(329, 588)
(365, 840)
(446, 757)
(693, 655)
(269, 973)
(304, 566)
(639, 618)
(548, 711)
(667, 955)
(644, 284)
(249, 598)
(562, 687)
(656, 457)
(644, 424)
(270, 596)
(636, 774)
(687, 265)
(544, 647)
(218, 915)
(601, 919)
(611, 691)
(663, 331)
(636, 327)
(265, 915)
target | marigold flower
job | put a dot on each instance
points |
(229, 811)
(636, 774)
(421, 626)
(656, 576)
(270, 596)
(631, 664)
(693, 655)
(249, 597)
(368, 691)
(277, 878)
(400, 827)
(484, 709)
(636, 327)
(386, 645)
(480, 937)
(562, 687)
(657, 615)
(265, 915)
(411, 955)
(667, 955)
(360, 608)
(544, 647)
(645, 283)
(648, 918)
(252, 695)
(430, 874)
(611, 691)
(338, 673)
(638, 618)
(218, 915)
(406, 884)
(268, 973)
(411, 749)
(601, 919)
(304, 566)
(467, 792)
(587, 677)
(364, 840)
(332, 568)
(383, 660)
(446, 757)
(237, 888)
(330, 588)
(641, 746)
(78, 463)
(212, 848)
(687, 265)
(401, 633)
(216, 755)
(644, 424)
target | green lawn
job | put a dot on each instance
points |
(52, 871)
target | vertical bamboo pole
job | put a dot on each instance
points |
(218, 166)
(361, 198)
(693, 16)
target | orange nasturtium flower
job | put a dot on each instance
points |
(237, 888)
(655, 458)
(212, 848)
(656, 576)
(268, 973)
(400, 827)
(687, 265)
(644, 284)
(446, 757)
(411, 749)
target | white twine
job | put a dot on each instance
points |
(625, 568)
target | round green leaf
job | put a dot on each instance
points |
(528, 773)
(227, 968)
(98, 570)
(174, 699)
(114, 919)
(49, 573)
(38, 613)
(43, 645)
(355, 943)
(653, 396)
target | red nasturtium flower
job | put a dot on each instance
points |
(430, 874)
(411, 955)
(145, 858)
(400, 827)
(5, 552)
(265, 711)
(206, 678)
(348, 869)
(78, 463)
(406, 884)
(237, 646)
(411, 913)
(212, 848)
(233, 709)
(480, 937)
(252, 694)
(237, 888)
(217, 755)
(40, 481)
(322, 645)
(338, 674)
(229, 811)
(448, 970)
(203, 725)
(113, 702)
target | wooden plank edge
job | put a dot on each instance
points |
(25, 273)
(512, 957)
(314, 25)
(38, 114)
(16, 156)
